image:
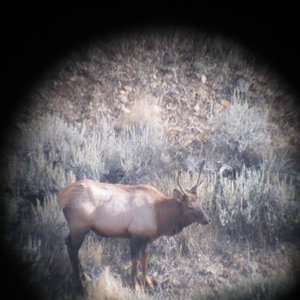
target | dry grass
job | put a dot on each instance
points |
(144, 111)
(107, 287)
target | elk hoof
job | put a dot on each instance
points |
(85, 277)
(137, 288)
(150, 282)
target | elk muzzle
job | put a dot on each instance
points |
(202, 217)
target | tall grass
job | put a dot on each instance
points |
(107, 287)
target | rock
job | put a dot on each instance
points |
(225, 103)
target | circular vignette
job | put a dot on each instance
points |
(179, 76)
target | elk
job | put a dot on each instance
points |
(140, 213)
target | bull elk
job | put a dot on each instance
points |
(138, 212)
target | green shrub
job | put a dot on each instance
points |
(257, 205)
(41, 162)
(52, 154)
(240, 128)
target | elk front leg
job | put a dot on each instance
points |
(147, 281)
(137, 244)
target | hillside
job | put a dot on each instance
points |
(181, 80)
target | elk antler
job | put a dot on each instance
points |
(200, 170)
(179, 184)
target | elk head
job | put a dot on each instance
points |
(189, 199)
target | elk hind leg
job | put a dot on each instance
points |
(74, 242)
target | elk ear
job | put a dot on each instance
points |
(195, 189)
(178, 195)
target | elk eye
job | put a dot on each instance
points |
(190, 204)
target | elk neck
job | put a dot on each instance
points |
(169, 217)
